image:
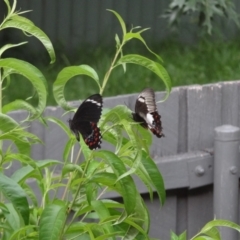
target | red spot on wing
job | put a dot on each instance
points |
(157, 125)
(94, 139)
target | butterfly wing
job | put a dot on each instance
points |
(85, 121)
(146, 112)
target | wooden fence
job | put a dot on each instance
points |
(74, 23)
(184, 157)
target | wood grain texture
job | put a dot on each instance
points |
(169, 111)
(230, 103)
(75, 23)
(182, 120)
(49, 20)
(37, 150)
(200, 209)
(64, 23)
(204, 114)
(163, 219)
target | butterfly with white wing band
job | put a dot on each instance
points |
(85, 121)
(146, 112)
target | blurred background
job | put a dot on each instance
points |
(199, 44)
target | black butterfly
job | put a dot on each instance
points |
(146, 112)
(85, 121)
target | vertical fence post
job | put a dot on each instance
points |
(226, 174)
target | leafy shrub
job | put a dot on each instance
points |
(81, 212)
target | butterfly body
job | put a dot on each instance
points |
(146, 112)
(85, 121)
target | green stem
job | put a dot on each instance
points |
(76, 195)
(106, 77)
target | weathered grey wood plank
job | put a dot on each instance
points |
(163, 219)
(204, 113)
(91, 21)
(182, 208)
(92, 27)
(109, 25)
(133, 17)
(78, 23)
(182, 120)
(37, 150)
(49, 19)
(200, 209)
(230, 103)
(36, 14)
(169, 111)
(64, 23)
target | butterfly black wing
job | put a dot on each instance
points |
(85, 121)
(146, 112)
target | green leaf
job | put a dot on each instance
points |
(174, 236)
(103, 213)
(8, 46)
(16, 195)
(34, 76)
(183, 236)
(52, 221)
(220, 223)
(8, 5)
(128, 188)
(138, 36)
(26, 25)
(70, 167)
(67, 149)
(13, 220)
(22, 158)
(180, 237)
(155, 67)
(17, 105)
(136, 226)
(204, 238)
(3, 208)
(17, 135)
(61, 124)
(64, 76)
(47, 162)
(155, 176)
(23, 173)
(122, 23)
(214, 233)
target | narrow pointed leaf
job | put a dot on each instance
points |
(26, 25)
(16, 195)
(155, 67)
(34, 76)
(103, 213)
(122, 23)
(8, 46)
(64, 76)
(52, 221)
(155, 176)
(138, 36)
(17, 105)
(128, 188)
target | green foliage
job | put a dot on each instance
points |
(209, 231)
(81, 210)
(206, 10)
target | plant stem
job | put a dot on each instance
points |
(76, 195)
(106, 77)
